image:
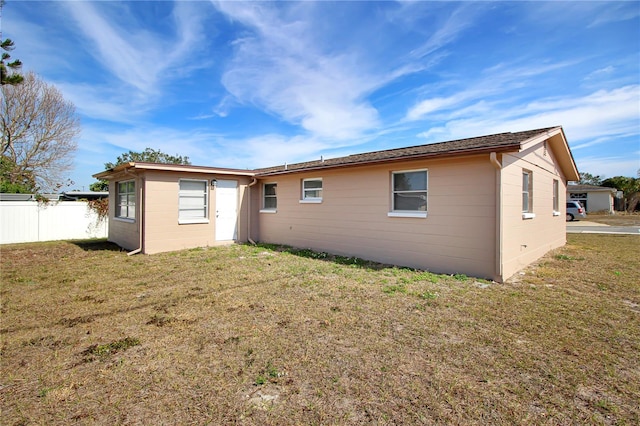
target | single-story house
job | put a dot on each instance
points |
(593, 198)
(485, 206)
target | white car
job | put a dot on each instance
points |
(575, 210)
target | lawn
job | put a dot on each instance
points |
(268, 335)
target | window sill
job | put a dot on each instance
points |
(192, 221)
(556, 213)
(311, 201)
(124, 219)
(407, 214)
(269, 211)
(528, 215)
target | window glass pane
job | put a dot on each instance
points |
(270, 189)
(192, 186)
(270, 203)
(317, 193)
(197, 213)
(410, 201)
(526, 191)
(525, 181)
(410, 181)
(311, 184)
(126, 199)
(270, 200)
(193, 199)
(191, 202)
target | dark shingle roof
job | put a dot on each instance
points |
(589, 188)
(498, 142)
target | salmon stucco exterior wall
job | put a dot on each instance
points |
(158, 229)
(164, 232)
(526, 239)
(457, 235)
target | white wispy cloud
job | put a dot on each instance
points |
(136, 56)
(600, 72)
(500, 80)
(280, 68)
(117, 67)
(285, 66)
(596, 115)
(450, 30)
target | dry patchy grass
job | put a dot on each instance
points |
(265, 335)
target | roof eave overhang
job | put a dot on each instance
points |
(603, 189)
(108, 174)
(405, 158)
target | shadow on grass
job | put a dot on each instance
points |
(96, 245)
(328, 257)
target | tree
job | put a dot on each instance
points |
(149, 155)
(39, 132)
(15, 184)
(630, 188)
(8, 69)
(589, 179)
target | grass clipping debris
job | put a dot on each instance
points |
(273, 335)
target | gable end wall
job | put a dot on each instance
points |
(526, 240)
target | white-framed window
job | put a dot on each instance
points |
(193, 201)
(270, 197)
(126, 199)
(311, 190)
(527, 194)
(556, 200)
(409, 193)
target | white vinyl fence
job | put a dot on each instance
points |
(28, 221)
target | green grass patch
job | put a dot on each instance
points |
(104, 350)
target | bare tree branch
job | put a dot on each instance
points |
(39, 130)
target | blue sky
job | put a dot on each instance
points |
(253, 84)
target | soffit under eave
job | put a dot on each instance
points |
(560, 147)
(108, 174)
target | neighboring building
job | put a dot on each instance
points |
(83, 195)
(28, 197)
(593, 198)
(485, 206)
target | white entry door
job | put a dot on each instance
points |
(226, 210)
